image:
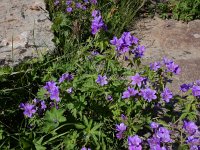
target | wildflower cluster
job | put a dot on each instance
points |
(134, 143)
(158, 141)
(97, 22)
(125, 44)
(120, 128)
(29, 109)
(160, 137)
(37, 106)
(66, 77)
(72, 4)
(147, 93)
(169, 65)
(193, 139)
(52, 90)
(194, 87)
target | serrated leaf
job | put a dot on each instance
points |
(55, 115)
(41, 94)
(52, 119)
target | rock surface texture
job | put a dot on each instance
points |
(25, 30)
(173, 39)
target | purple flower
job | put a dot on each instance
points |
(54, 94)
(117, 43)
(137, 80)
(102, 80)
(68, 2)
(21, 105)
(119, 135)
(184, 87)
(97, 24)
(66, 76)
(155, 66)
(93, 2)
(43, 105)
(174, 68)
(36, 101)
(198, 82)
(121, 127)
(123, 117)
(194, 147)
(95, 13)
(53, 90)
(167, 61)
(134, 143)
(94, 53)
(127, 38)
(163, 148)
(157, 147)
(134, 39)
(86, 1)
(163, 134)
(123, 50)
(114, 41)
(123, 44)
(138, 147)
(196, 90)
(50, 85)
(84, 7)
(154, 125)
(70, 90)
(129, 92)
(126, 58)
(154, 143)
(148, 94)
(56, 2)
(109, 98)
(190, 127)
(192, 140)
(69, 9)
(29, 109)
(84, 148)
(78, 5)
(139, 51)
(166, 95)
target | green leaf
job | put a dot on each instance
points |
(39, 147)
(52, 119)
(80, 126)
(38, 144)
(41, 93)
(1, 134)
(26, 144)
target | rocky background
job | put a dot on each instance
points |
(25, 30)
(174, 39)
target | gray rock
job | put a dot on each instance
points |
(25, 30)
(173, 39)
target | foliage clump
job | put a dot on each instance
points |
(185, 10)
